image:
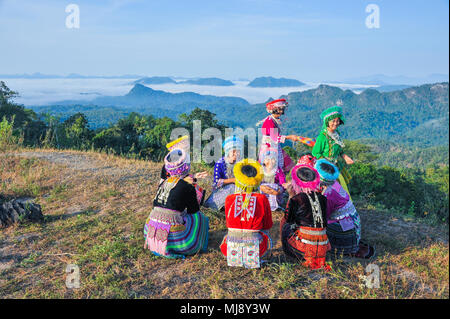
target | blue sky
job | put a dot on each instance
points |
(306, 40)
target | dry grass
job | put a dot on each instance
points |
(95, 206)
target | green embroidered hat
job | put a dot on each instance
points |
(332, 113)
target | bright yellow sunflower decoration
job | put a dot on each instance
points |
(247, 184)
(182, 142)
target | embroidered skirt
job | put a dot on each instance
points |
(305, 243)
(217, 199)
(245, 248)
(348, 218)
(342, 241)
(174, 234)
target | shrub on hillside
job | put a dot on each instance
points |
(8, 139)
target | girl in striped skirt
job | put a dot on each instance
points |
(303, 232)
(175, 227)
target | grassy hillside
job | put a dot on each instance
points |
(95, 206)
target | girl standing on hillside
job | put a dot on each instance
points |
(303, 227)
(224, 178)
(271, 131)
(330, 145)
(248, 216)
(176, 227)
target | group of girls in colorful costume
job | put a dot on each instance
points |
(319, 215)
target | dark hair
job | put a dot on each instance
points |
(174, 156)
(326, 183)
(306, 174)
(327, 168)
(279, 110)
(340, 121)
(306, 153)
(249, 171)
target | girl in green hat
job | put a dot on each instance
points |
(330, 145)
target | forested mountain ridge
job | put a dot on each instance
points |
(416, 115)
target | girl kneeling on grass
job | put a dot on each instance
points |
(343, 222)
(223, 186)
(303, 232)
(274, 179)
(248, 216)
(175, 226)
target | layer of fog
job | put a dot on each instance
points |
(46, 91)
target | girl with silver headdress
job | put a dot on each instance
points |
(183, 144)
(274, 179)
(224, 179)
(175, 227)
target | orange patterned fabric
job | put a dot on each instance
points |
(315, 249)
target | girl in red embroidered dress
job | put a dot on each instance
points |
(248, 216)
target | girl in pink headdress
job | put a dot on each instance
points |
(303, 227)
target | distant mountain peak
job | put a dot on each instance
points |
(269, 81)
(208, 81)
(139, 90)
(155, 80)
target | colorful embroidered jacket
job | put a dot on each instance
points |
(337, 198)
(339, 205)
(326, 147)
(299, 210)
(177, 194)
(199, 191)
(271, 132)
(271, 128)
(220, 171)
(340, 209)
(303, 235)
(257, 216)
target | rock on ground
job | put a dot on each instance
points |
(19, 209)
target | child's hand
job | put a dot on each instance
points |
(268, 190)
(289, 189)
(189, 179)
(347, 159)
(200, 175)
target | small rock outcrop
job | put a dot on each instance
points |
(17, 210)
